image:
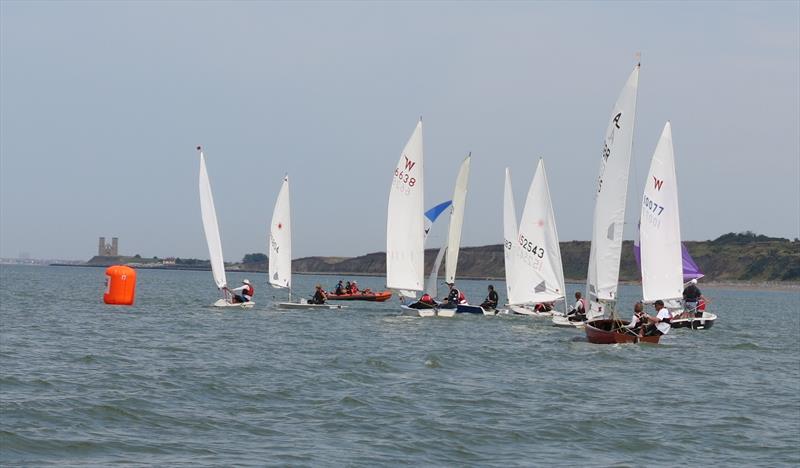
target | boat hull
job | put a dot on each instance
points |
(300, 305)
(695, 323)
(241, 305)
(471, 309)
(563, 321)
(372, 297)
(604, 331)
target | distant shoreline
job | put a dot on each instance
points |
(787, 286)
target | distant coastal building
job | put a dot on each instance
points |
(108, 250)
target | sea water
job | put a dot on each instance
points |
(172, 381)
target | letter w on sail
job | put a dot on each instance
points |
(409, 163)
(657, 183)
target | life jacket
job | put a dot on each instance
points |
(585, 305)
(249, 291)
(462, 299)
(353, 289)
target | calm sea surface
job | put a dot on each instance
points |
(172, 381)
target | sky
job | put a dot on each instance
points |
(103, 103)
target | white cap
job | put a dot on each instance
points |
(693, 281)
(247, 281)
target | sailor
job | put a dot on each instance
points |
(354, 288)
(659, 325)
(339, 290)
(638, 320)
(425, 302)
(348, 288)
(247, 292)
(454, 297)
(691, 298)
(578, 312)
(319, 296)
(491, 299)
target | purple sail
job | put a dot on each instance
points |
(690, 269)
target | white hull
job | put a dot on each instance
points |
(241, 305)
(562, 321)
(300, 305)
(448, 313)
(522, 310)
(695, 323)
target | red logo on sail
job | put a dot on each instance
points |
(409, 163)
(657, 183)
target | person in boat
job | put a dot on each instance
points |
(348, 288)
(339, 290)
(639, 319)
(491, 299)
(454, 297)
(247, 291)
(544, 306)
(578, 311)
(319, 296)
(660, 324)
(354, 288)
(425, 302)
(691, 298)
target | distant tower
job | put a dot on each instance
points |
(108, 250)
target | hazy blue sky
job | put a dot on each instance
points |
(103, 103)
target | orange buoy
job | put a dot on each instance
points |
(120, 285)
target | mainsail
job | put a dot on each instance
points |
(456, 221)
(405, 230)
(280, 240)
(660, 230)
(612, 188)
(538, 268)
(510, 242)
(210, 225)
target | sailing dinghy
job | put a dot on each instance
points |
(660, 243)
(695, 319)
(535, 274)
(211, 229)
(280, 252)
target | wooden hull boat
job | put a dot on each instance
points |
(610, 331)
(372, 296)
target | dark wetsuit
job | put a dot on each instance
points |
(491, 300)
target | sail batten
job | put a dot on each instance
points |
(211, 226)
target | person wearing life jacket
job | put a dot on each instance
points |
(339, 289)
(354, 288)
(454, 297)
(490, 303)
(578, 312)
(692, 297)
(319, 296)
(348, 288)
(638, 320)
(247, 290)
(660, 324)
(425, 302)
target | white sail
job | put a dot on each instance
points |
(660, 230)
(612, 189)
(456, 221)
(538, 268)
(280, 240)
(405, 228)
(431, 286)
(510, 241)
(210, 225)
